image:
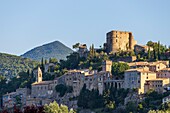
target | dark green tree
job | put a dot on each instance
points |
(118, 69)
(149, 53)
(159, 50)
(42, 65)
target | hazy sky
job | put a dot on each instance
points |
(25, 24)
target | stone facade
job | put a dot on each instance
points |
(124, 59)
(142, 48)
(107, 66)
(163, 73)
(158, 84)
(37, 101)
(83, 51)
(136, 78)
(43, 89)
(9, 99)
(119, 41)
(42, 92)
(153, 66)
(92, 79)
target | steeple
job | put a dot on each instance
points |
(107, 66)
(39, 75)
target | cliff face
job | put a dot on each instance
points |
(51, 50)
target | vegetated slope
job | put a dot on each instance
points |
(11, 65)
(51, 50)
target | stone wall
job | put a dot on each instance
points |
(119, 41)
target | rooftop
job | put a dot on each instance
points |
(43, 83)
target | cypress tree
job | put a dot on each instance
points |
(149, 53)
(42, 65)
(158, 50)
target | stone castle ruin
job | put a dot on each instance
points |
(119, 41)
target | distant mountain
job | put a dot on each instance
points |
(11, 65)
(51, 50)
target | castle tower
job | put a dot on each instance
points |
(119, 41)
(107, 66)
(39, 75)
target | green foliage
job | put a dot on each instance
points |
(53, 60)
(2, 78)
(62, 89)
(11, 65)
(115, 95)
(21, 81)
(90, 99)
(118, 69)
(111, 99)
(76, 46)
(48, 76)
(153, 99)
(71, 62)
(158, 50)
(55, 108)
(110, 106)
(51, 50)
(131, 107)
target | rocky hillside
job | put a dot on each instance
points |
(11, 65)
(51, 50)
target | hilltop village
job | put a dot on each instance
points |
(145, 69)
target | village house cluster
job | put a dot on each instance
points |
(142, 76)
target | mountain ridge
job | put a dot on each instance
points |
(54, 49)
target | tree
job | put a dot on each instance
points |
(2, 78)
(62, 89)
(131, 107)
(93, 99)
(42, 65)
(159, 50)
(76, 46)
(110, 106)
(53, 60)
(46, 61)
(149, 53)
(55, 108)
(118, 69)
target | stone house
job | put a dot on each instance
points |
(18, 97)
(159, 84)
(163, 73)
(41, 89)
(83, 51)
(136, 78)
(8, 100)
(142, 48)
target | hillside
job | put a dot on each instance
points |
(11, 65)
(51, 50)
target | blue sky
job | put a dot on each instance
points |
(25, 24)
